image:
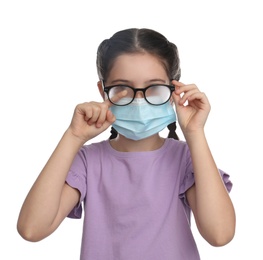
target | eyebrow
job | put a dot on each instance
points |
(148, 81)
(120, 80)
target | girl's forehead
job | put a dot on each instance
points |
(138, 65)
(137, 57)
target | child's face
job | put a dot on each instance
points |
(137, 70)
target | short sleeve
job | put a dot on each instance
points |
(188, 180)
(226, 179)
(76, 178)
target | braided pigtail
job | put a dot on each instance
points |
(113, 132)
(172, 129)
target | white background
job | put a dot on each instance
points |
(47, 66)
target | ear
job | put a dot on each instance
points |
(100, 87)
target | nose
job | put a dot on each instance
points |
(139, 94)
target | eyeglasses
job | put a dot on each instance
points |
(122, 95)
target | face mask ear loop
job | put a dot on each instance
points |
(172, 129)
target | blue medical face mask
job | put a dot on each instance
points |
(140, 120)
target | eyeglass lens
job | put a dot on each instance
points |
(156, 95)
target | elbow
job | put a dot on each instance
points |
(221, 241)
(28, 233)
(219, 233)
(221, 238)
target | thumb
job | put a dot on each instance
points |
(176, 98)
(110, 119)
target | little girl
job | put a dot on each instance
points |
(137, 189)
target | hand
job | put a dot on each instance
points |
(193, 114)
(92, 118)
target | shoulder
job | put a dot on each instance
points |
(92, 150)
(95, 147)
(177, 145)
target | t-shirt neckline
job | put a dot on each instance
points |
(141, 153)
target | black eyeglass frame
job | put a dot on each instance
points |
(135, 90)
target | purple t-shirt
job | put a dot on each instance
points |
(134, 202)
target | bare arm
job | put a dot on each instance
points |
(50, 199)
(208, 198)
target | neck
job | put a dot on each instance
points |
(123, 144)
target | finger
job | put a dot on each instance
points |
(177, 83)
(179, 95)
(84, 110)
(196, 95)
(176, 99)
(110, 119)
(96, 110)
(186, 88)
(188, 94)
(118, 96)
(107, 103)
(199, 99)
(102, 115)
